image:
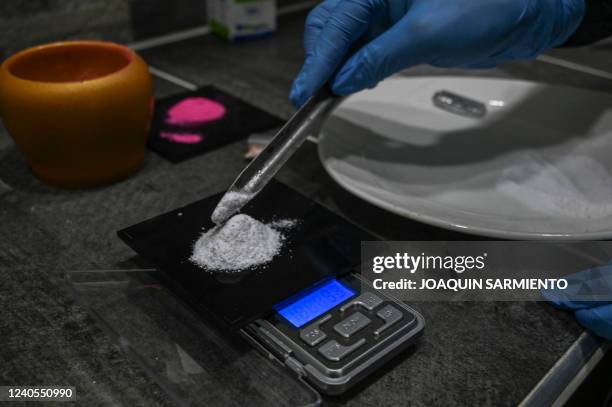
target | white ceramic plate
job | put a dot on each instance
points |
(537, 166)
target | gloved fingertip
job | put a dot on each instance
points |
(344, 89)
(350, 79)
(555, 298)
(586, 289)
(598, 320)
(298, 91)
(567, 300)
(295, 96)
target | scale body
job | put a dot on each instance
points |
(336, 333)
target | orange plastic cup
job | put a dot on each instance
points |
(80, 111)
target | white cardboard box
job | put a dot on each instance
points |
(242, 19)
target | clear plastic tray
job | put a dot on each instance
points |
(193, 361)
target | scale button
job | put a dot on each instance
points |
(335, 352)
(349, 326)
(368, 300)
(390, 315)
(312, 334)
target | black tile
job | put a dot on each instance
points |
(235, 120)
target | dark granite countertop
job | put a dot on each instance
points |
(471, 354)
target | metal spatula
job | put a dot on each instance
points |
(262, 169)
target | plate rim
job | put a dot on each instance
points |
(447, 223)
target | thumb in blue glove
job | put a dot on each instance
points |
(404, 33)
(598, 320)
(589, 296)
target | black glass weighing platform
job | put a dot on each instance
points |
(321, 245)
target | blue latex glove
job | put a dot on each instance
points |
(444, 33)
(589, 295)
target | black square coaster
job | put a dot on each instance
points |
(321, 245)
(192, 123)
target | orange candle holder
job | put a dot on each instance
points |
(80, 111)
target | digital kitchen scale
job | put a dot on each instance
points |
(307, 308)
(335, 334)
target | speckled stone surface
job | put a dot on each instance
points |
(471, 353)
(30, 22)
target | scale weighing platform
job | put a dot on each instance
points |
(308, 309)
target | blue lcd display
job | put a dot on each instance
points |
(314, 303)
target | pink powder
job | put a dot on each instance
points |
(182, 138)
(195, 111)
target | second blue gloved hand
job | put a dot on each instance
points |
(445, 33)
(589, 295)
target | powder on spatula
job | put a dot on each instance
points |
(239, 244)
(229, 204)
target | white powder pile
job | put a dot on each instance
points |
(229, 205)
(239, 244)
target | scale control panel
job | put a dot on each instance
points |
(336, 333)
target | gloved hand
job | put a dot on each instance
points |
(443, 33)
(589, 295)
